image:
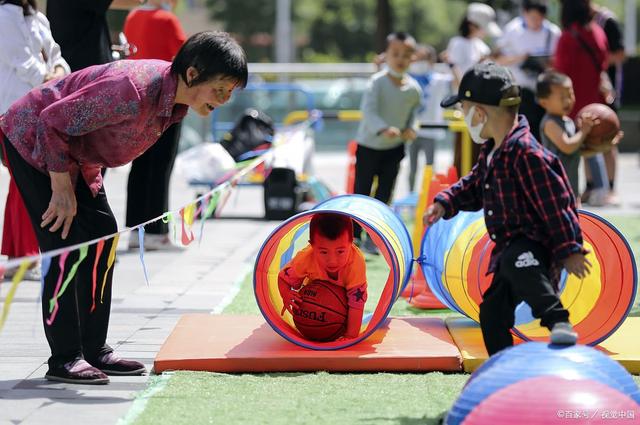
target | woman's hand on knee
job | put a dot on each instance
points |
(63, 205)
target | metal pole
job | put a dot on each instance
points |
(630, 27)
(284, 43)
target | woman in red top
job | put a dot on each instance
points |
(583, 55)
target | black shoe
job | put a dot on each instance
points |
(113, 365)
(77, 372)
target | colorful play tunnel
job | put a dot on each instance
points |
(382, 225)
(455, 258)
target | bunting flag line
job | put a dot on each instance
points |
(214, 200)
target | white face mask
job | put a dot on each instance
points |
(395, 74)
(475, 130)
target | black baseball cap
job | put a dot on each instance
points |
(485, 83)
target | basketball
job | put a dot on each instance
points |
(601, 135)
(322, 314)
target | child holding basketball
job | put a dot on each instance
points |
(529, 209)
(557, 130)
(331, 256)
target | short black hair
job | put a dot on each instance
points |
(464, 29)
(330, 225)
(402, 36)
(211, 53)
(576, 11)
(539, 5)
(547, 80)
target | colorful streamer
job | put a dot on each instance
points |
(94, 274)
(187, 221)
(45, 265)
(141, 250)
(61, 265)
(17, 278)
(110, 260)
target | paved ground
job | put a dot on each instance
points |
(200, 279)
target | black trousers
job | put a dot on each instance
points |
(522, 275)
(534, 112)
(76, 332)
(148, 187)
(382, 163)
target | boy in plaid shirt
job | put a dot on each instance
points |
(529, 209)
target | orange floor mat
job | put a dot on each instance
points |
(248, 344)
(622, 346)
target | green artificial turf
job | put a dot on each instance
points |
(314, 398)
(303, 398)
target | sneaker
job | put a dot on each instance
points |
(34, 274)
(111, 364)
(77, 372)
(598, 197)
(562, 333)
(369, 247)
(584, 198)
(613, 200)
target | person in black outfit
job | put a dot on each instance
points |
(80, 27)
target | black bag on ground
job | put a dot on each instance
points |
(254, 128)
(282, 195)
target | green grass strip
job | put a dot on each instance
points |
(294, 398)
(156, 384)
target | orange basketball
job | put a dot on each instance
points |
(602, 134)
(322, 314)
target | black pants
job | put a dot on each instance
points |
(382, 163)
(76, 332)
(148, 187)
(522, 275)
(534, 112)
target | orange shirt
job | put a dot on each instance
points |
(304, 268)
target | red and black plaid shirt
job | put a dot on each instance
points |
(524, 192)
